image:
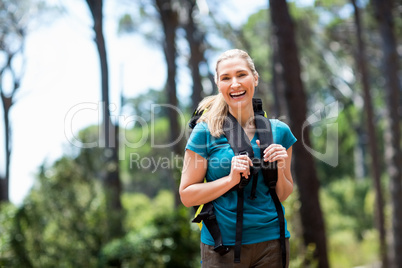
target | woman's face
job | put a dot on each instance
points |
(236, 82)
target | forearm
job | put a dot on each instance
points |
(284, 185)
(201, 193)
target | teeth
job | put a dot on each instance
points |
(237, 93)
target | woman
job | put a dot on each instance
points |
(208, 155)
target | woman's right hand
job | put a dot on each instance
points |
(193, 191)
(240, 166)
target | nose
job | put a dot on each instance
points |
(235, 83)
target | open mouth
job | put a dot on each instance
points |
(237, 94)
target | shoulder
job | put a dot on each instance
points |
(279, 126)
(282, 133)
(199, 139)
(200, 129)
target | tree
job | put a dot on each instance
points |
(304, 167)
(13, 30)
(393, 152)
(111, 172)
(374, 152)
(62, 220)
(168, 15)
(169, 18)
(195, 40)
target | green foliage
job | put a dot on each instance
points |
(350, 198)
(348, 206)
(299, 253)
(163, 239)
(141, 210)
(147, 169)
(345, 147)
(8, 212)
(61, 222)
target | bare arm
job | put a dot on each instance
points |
(284, 186)
(193, 191)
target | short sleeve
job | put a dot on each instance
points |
(282, 133)
(198, 140)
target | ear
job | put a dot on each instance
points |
(256, 80)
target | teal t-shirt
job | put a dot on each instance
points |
(260, 219)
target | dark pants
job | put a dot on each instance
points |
(264, 254)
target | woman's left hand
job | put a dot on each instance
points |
(276, 152)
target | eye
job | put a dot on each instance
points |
(224, 78)
(242, 74)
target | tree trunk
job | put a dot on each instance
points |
(277, 83)
(374, 152)
(304, 167)
(393, 154)
(195, 40)
(14, 25)
(110, 142)
(4, 181)
(170, 22)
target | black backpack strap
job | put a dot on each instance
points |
(239, 225)
(208, 217)
(240, 144)
(194, 118)
(281, 218)
(270, 173)
(236, 136)
(238, 141)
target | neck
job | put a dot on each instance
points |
(243, 115)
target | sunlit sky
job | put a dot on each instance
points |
(63, 76)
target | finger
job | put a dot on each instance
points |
(274, 146)
(239, 166)
(244, 162)
(245, 158)
(250, 162)
(274, 149)
(269, 148)
(277, 157)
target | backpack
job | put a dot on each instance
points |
(240, 144)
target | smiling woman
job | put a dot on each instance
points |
(237, 79)
(257, 228)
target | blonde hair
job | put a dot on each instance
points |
(216, 104)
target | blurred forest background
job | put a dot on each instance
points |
(331, 70)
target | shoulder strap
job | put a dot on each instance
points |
(238, 141)
(270, 172)
(194, 118)
(240, 144)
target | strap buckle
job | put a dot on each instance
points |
(221, 249)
